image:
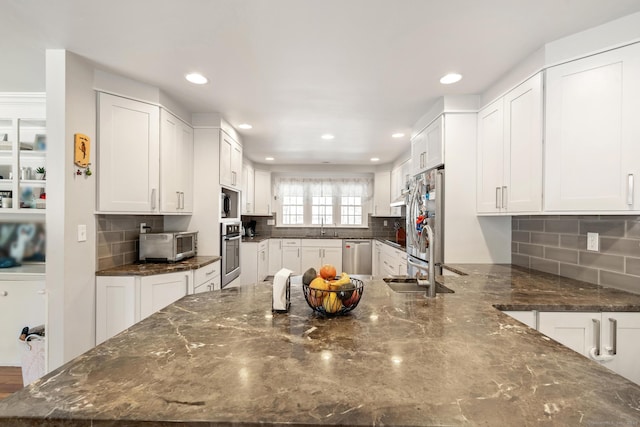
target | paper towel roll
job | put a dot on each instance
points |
(280, 292)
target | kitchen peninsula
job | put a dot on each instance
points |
(222, 358)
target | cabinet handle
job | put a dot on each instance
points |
(182, 200)
(504, 197)
(186, 284)
(613, 324)
(233, 177)
(630, 189)
(153, 199)
(41, 292)
(178, 196)
(209, 273)
(298, 253)
(498, 197)
(596, 336)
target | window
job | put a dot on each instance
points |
(328, 202)
(293, 204)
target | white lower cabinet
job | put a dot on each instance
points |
(317, 252)
(611, 338)
(392, 261)
(206, 278)
(275, 256)
(291, 255)
(122, 301)
(22, 303)
(254, 262)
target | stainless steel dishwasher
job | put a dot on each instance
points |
(356, 256)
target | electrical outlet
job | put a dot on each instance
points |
(593, 242)
(142, 227)
(385, 222)
(271, 222)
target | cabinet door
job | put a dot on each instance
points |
(275, 255)
(21, 304)
(333, 256)
(592, 132)
(291, 259)
(522, 184)
(116, 306)
(490, 158)
(248, 263)
(128, 155)
(310, 257)
(262, 192)
(226, 147)
(418, 152)
(382, 193)
(176, 165)
(236, 164)
(434, 138)
(263, 261)
(621, 332)
(571, 329)
(158, 291)
(248, 189)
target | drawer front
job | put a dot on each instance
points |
(263, 245)
(322, 243)
(291, 242)
(206, 273)
(212, 284)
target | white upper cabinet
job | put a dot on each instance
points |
(262, 188)
(128, 155)
(176, 165)
(230, 162)
(490, 157)
(427, 148)
(592, 136)
(248, 189)
(509, 169)
(382, 194)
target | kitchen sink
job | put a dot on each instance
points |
(405, 284)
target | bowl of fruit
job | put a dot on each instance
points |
(330, 294)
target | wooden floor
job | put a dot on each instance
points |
(10, 380)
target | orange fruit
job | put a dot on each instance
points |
(328, 271)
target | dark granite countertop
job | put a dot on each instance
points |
(150, 268)
(222, 358)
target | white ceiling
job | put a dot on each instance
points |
(296, 69)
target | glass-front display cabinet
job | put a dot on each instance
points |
(23, 145)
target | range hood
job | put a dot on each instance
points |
(400, 200)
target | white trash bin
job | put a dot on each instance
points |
(32, 358)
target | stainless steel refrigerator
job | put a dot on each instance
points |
(425, 206)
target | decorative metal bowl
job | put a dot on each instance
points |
(332, 302)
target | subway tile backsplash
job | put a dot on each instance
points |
(117, 238)
(558, 245)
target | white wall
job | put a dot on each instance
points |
(70, 202)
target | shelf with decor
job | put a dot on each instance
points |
(23, 155)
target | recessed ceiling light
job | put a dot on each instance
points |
(375, 159)
(245, 126)
(450, 78)
(196, 78)
(327, 136)
(269, 158)
(397, 135)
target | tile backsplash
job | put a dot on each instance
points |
(376, 229)
(558, 245)
(117, 238)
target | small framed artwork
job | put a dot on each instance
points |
(82, 150)
(40, 143)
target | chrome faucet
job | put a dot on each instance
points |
(430, 283)
(322, 231)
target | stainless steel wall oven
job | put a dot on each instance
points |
(230, 251)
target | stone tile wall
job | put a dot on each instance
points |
(558, 245)
(117, 238)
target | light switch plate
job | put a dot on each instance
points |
(593, 242)
(82, 233)
(271, 222)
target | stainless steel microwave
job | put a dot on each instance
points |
(168, 247)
